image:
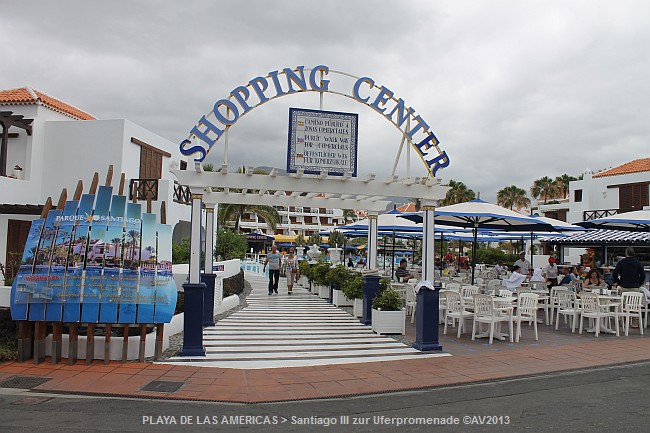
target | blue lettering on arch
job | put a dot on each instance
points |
(223, 119)
(402, 112)
(324, 84)
(355, 89)
(299, 80)
(241, 94)
(192, 150)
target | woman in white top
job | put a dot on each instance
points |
(537, 275)
(291, 270)
(514, 280)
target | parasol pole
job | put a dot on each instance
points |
(475, 229)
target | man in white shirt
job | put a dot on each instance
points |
(550, 272)
(515, 279)
(524, 265)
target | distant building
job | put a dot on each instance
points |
(619, 189)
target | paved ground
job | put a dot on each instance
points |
(472, 361)
(589, 400)
(293, 331)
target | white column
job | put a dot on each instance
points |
(372, 241)
(209, 239)
(195, 239)
(428, 250)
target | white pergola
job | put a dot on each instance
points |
(342, 192)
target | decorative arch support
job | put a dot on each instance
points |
(260, 90)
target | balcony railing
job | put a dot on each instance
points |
(146, 189)
(182, 194)
(595, 214)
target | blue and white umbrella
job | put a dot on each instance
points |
(478, 214)
(635, 221)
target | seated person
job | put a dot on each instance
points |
(537, 275)
(593, 279)
(401, 273)
(501, 268)
(568, 276)
(515, 279)
(438, 264)
(608, 277)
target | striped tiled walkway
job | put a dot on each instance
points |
(293, 331)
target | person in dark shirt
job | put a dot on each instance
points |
(629, 273)
(401, 273)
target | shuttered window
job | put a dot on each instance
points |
(632, 197)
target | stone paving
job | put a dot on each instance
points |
(471, 361)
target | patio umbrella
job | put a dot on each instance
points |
(635, 221)
(478, 214)
(386, 222)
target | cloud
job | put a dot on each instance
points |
(514, 90)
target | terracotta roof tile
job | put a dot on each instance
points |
(636, 166)
(27, 95)
(408, 207)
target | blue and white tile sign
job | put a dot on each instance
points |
(322, 141)
(93, 264)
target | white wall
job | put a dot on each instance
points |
(596, 195)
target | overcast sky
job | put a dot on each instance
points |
(514, 90)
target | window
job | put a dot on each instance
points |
(577, 195)
(150, 160)
(632, 197)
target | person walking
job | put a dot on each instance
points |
(273, 261)
(629, 274)
(291, 270)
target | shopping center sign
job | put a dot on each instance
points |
(242, 99)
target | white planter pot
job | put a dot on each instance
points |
(358, 308)
(323, 292)
(340, 300)
(304, 282)
(389, 322)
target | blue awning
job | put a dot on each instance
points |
(600, 236)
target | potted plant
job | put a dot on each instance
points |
(304, 269)
(320, 279)
(353, 290)
(338, 275)
(388, 313)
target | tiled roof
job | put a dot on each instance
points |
(27, 95)
(636, 166)
(408, 207)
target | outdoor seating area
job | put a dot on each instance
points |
(595, 311)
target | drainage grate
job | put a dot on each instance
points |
(162, 386)
(32, 400)
(24, 382)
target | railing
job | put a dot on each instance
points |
(182, 194)
(146, 189)
(595, 214)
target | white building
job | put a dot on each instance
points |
(619, 189)
(67, 144)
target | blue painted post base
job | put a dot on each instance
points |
(370, 292)
(193, 320)
(208, 299)
(426, 320)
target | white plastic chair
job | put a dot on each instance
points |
(566, 305)
(526, 312)
(411, 302)
(453, 286)
(484, 312)
(631, 307)
(468, 290)
(591, 309)
(456, 310)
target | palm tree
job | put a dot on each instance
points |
(562, 184)
(512, 196)
(116, 244)
(349, 214)
(133, 234)
(459, 193)
(544, 187)
(234, 213)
